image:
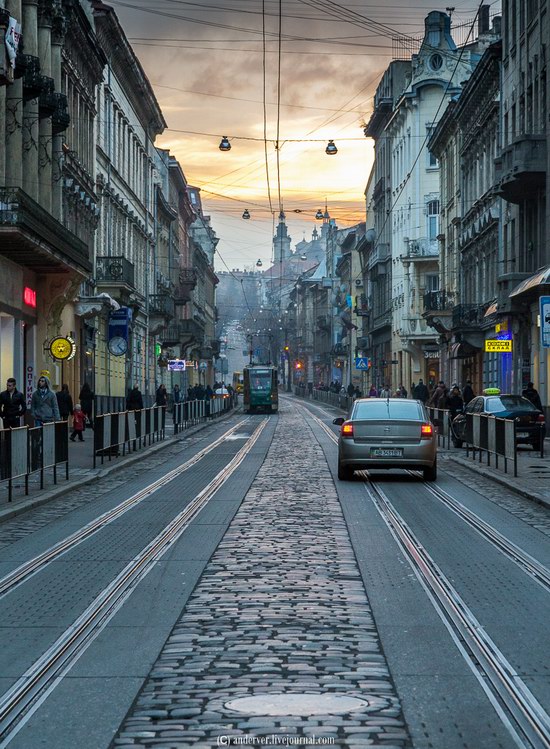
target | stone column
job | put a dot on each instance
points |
(2, 135)
(45, 123)
(14, 118)
(30, 108)
(57, 37)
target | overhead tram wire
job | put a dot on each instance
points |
(264, 97)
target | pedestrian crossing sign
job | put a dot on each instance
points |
(362, 362)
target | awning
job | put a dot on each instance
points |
(462, 350)
(491, 309)
(541, 278)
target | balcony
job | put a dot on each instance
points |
(438, 301)
(182, 331)
(323, 323)
(468, 316)
(30, 236)
(115, 270)
(47, 101)
(187, 280)
(520, 171)
(161, 305)
(376, 261)
(421, 250)
(61, 119)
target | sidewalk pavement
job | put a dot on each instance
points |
(81, 471)
(532, 481)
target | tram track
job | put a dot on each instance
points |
(32, 566)
(520, 711)
(28, 692)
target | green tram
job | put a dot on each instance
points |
(260, 388)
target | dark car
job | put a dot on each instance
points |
(528, 418)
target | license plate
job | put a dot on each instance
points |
(522, 434)
(386, 452)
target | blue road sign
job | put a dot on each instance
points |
(544, 310)
(361, 362)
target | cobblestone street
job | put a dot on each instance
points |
(280, 608)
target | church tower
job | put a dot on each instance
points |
(281, 241)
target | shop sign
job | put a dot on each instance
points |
(176, 365)
(29, 384)
(431, 354)
(544, 307)
(29, 297)
(501, 327)
(63, 348)
(498, 346)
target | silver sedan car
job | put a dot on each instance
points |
(387, 433)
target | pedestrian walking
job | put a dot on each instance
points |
(438, 398)
(420, 392)
(532, 395)
(385, 392)
(177, 395)
(403, 390)
(44, 408)
(64, 402)
(455, 402)
(134, 401)
(162, 396)
(12, 405)
(373, 392)
(468, 392)
(351, 390)
(79, 423)
(86, 399)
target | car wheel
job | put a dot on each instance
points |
(456, 443)
(345, 473)
(430, 473)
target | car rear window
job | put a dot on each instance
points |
(383, 409)
(509, 403)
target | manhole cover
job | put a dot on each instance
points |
(296, 704)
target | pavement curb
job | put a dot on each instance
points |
(99, 473)
(503, 480)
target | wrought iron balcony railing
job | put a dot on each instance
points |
(438, 301)
(115, 269)
(161, 305)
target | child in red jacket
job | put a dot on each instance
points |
(79, 422)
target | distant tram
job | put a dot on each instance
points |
(260, 388)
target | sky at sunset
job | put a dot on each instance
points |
(205, 62)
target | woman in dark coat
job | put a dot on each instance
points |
(162, 396)
(134, 401)
(65, 402)
(86, 399)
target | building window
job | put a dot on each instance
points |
(433, 219)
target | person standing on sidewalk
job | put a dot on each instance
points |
(468, 392)
(64, 402)
(79, 423)
(162, 396)
(44, 408)
(86, 399)
(421, 392)
(532, 395)
(134, 401)
(12, 405)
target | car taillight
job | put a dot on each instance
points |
(347, 430)
(426, 431)
(541, 419)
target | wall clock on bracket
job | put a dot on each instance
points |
(118, 345)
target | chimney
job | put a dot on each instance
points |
(483, 20)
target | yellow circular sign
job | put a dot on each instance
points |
(491, 391)
(62, 348)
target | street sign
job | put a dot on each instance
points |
(498, 346)
(544, 306)
(361, 362)
(203, 365)
(176, 365)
